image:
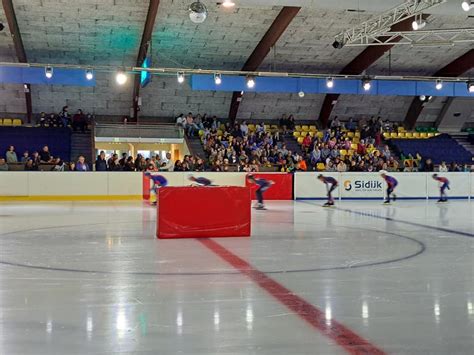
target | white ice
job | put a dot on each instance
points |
(86, 278)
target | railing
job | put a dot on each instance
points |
(158, 131)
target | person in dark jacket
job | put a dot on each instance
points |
(101, 163)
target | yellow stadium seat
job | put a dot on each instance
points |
(17, 122)
(298, 128)
(296, 134)
(305, 128)
(1, 121)
(354, 146)
(7, 122)
(343, 152)
(431, 134)
(300, 140)
(356, 140)
(219, 132)
(394, 135)
(313, 128)
(320, 166)
(409, 135)
(320, 135)
(222, 126)
(416, 135)
(401, 129)
(357, 134)
(201, 133)
(251, 127)
(351, 151)
(386, 135)
(402, 135)
(423, 135)
(350, 134)
(266, 127)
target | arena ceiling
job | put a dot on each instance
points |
(109, 32)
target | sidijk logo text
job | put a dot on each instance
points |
(361, 185)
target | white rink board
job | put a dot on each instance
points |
(67, 183)
(124, 183)
(13, 183)
(307, 186)
(372, 186)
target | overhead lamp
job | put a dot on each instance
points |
(301, 94)
(467, 5)
(418, 24)
(424, 98)
(217, 78)
(439, 84)
(89, 74)
(228, 3)
(337, 44)
(48, 72)
(121, 78)
(197, 12)
(470, 87)
(366, 84)
(250, 82)
(330, 83)
(180, 77)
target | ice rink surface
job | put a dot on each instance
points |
(90, 278)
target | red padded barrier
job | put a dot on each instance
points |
(281, 190)
(202, 212)
(146, 187)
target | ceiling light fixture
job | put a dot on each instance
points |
(121, 78)
(197, 12)
(366, 84)
(217, 78)
(228, 3)
(467, 5)
(330, 83)
(180, 77)
(470, 87)
(419, 23)
(48, 72)
(250, 82)
(89, 74)
(439, 84)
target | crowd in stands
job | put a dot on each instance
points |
(32, 161)
(78, 122)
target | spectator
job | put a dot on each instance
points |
(30, 165)
(290, 124)
(443, 168)
(190, 126)
(101, 162)
(350, 125)
(42, 119)
(3, 164)
(123, 160)
(81, 164)
(65, 117)
(180, 121)
(307, 142)
(198, 122)
(455, 167)
(113, 163)
(168, 163)
(129, 164)
(25, 157)
(11, 155)
(59, 165)
(45, 155)
(244, 128)
(79, 121)
(428, 166)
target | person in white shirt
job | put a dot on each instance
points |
(244, 128)
(180, 121)
(443, 168)
(168, 163)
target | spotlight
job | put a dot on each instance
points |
(337, 44)
(418, 24)
(330, 83)
(180, 77)
(250, 82)
(422, 98)
(470, 87)
(301, 94)
(366, 84)
(48, 72)
(197, 12)
(228, 3)
(439, 84)
(89, 74)
(467, 5)
(121, 78)
(217, 78)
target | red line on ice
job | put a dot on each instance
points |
(346, 338)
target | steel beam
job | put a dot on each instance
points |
(277, 28)
(142, 51)
(454, 69)
(359, 64)
(19, 49)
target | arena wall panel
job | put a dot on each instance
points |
(13, 183)
(70, 183)
(307, 186)
(124, 183)
(459, 183)
(282, 189)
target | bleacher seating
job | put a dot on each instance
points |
(440, 148)
(31, 139)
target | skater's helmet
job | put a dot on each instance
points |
(383, 172)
